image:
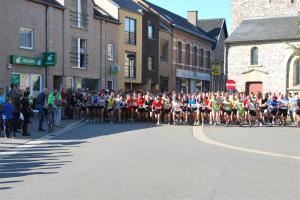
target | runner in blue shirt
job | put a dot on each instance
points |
(273, 108)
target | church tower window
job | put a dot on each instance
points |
(254, 56)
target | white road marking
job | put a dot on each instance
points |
(39, 141)
(199, 134)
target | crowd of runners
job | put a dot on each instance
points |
(199, 109)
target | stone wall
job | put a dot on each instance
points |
(272, 66)
(243, 9)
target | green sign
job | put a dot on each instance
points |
(49, 58)
(24, 60)
(216, 70)
(15, 79)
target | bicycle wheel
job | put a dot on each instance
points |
(50, 124)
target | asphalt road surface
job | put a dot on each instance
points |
(144, 161)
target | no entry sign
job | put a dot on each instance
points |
(230, 84)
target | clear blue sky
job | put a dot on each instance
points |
(207, 8)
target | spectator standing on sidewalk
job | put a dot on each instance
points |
(8, 117)
(41, 105)
(2, 102)
(26, 111)
(15, 98)
(55, 99)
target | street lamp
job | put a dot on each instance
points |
(131, 58)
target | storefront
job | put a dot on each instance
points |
(25, 77)
(190, 81)
(32, 81)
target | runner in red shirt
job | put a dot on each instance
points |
(157, 108)
(129, 107)
(140, 106)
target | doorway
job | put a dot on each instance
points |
(254, 87)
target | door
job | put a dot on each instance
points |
(35, 83)
(254, 87)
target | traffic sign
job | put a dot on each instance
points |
(230, 84)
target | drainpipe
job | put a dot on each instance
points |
(226, 64)
(46, 42)
(105, 55)
(63, 47)
(101, 57)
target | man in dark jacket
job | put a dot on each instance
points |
(40, 105)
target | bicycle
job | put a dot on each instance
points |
(50, 119)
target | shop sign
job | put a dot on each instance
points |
(24, 60)
(115, 69)
(15, 79)
(216, 70)
(192, 75)
(49, 58)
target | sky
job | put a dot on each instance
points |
(206, 8)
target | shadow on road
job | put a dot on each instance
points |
(87, 131)
(43, 159)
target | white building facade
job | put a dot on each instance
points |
(259, 54)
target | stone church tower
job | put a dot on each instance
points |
(245, 9)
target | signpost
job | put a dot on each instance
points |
(15, 79)
(216, 70)
(230, 85)
(49, 59)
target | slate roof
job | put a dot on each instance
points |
(128, 5)
(265, 29)
(164, 28)
(213, 27)
(100, 13)
(180, 22)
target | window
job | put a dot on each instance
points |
(188, 54)
(195, 56)
(150, 32)
(79, 53)
(110, 52)
(164, 50)
(208, 59)
(150, 62)
(254, 56)
(130, 63)
(26, 38)
(79, 13)
(130, 31)
(179, 52)
(298, 73)
(201, 58)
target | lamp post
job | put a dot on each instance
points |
(131, 58)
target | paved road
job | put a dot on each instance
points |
(142, 161)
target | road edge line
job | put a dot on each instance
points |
(198, 134)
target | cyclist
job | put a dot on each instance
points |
(55, 103)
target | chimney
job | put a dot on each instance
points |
(192, 17)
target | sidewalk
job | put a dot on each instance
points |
(6, 144)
